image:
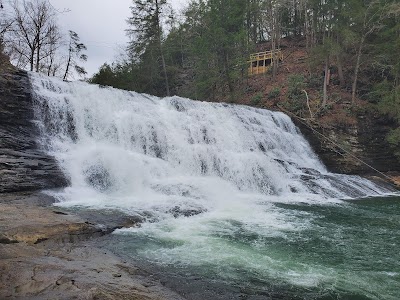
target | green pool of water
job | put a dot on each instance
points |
(346, 250)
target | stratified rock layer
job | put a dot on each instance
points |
(48, 253)
(361, 148)
(23, 165)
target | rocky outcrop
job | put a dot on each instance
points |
(23, 165)
(353, 149)
(48, 253)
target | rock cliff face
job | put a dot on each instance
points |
(23, 165)
(355, 149)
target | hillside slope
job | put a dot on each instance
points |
(348, 138)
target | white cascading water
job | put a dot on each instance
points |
(173, 151)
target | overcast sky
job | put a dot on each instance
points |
(100, 25)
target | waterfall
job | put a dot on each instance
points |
(143, 153)
(228, 191)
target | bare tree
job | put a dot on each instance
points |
(5, 23)
(272, 26)
(34, 34)
(52, 62)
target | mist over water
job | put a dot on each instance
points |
(222, 189)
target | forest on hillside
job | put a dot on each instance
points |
(202, 51)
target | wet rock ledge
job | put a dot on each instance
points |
(23, 165)
(48, 253)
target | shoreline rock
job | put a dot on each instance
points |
(46, 253)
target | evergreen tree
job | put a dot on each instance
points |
(75, 55)
(365, 18)
(221, 45)
(147, 35)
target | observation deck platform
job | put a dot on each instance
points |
(261, 62)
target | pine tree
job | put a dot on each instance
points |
(220, 45)
(75, 55)
(147, 35)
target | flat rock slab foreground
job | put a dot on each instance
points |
(45, 253)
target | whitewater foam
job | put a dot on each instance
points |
(124, 143)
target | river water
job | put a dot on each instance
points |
(233, 201)
(345, 250)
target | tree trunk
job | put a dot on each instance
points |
(227, 76)
(32, 59)
(356, 71)
(164, 67)
(164, 71)
(274, 36)
(37, 59)
(307, 29)
(68, 65)
(50, 65)
(314, 31)
(326, 78)
(340, 65)
(274, 58)
(340, 71)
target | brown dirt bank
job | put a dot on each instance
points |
(46, 253)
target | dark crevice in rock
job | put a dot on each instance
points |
(60, 213)
(40, 240)
(4, 240)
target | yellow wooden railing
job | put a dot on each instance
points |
(261, 62)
